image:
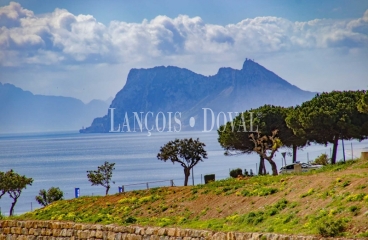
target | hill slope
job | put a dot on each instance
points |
(22, 111)
(173, 89)
(303, 204)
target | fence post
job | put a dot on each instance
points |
(352, 155)
(343, 149)
(122, 188)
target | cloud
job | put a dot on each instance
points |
(60, 37)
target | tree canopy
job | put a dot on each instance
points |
(363, 103)
(235, 136)
(329, 117)
(186, 152)
(13, 184)
(46, 197)
(102, 176)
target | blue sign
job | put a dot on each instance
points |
(77, 192)
(120, 189)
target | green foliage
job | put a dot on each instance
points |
(130, 219)
(321, 159)
(329, 117)
(234, 173)
(172, 207)
(310, 192)
(262, 191)
(186, 152)
(3, 185)
(331, 227)
(13, 184)
(237, 137)
(355, 197)
(102, 176)
(363, 103)
(345, 183)
(354, 210)
(46, 197)
(234, 136)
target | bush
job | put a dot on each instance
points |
(130, 219)
(44, 197)
(354, 210)
(321, 160)
(331, 228)
(236, 172)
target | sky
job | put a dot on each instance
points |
(85, 49)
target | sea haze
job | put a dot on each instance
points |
(62, 159)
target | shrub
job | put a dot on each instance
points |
(345, 183)
(321, 160)
(331, 227)
(354, 210)
(46, 197)
(130, 219)
(310, 192)
(356, 197)
(236, 172)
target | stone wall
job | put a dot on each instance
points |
(32, 230)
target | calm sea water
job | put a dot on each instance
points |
(62, 159)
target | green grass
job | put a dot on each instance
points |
(343, 202)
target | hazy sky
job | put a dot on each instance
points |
(85, 49)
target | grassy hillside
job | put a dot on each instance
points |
(331, 201)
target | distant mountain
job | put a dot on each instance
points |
(173, 89)
(22, 111)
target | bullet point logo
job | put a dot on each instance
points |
(192, 122)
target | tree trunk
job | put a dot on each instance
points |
(295, 148)
(186, 176)
(334, 149)
(12, 206)
(262, 168)
(107, 190)
(274, 167)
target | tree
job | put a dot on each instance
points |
(235, 136)
(3, 187)
(46, 197)
(363, 103)
(266, 147)
(329, 117)
(13, 184)
(187, 152)
(102, 176)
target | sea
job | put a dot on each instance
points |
(61, 159)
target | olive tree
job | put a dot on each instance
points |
(102, 176)
(44, 197)
(186, 152)
(13, 184)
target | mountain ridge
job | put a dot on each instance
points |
(173, 89)
(23, 111)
